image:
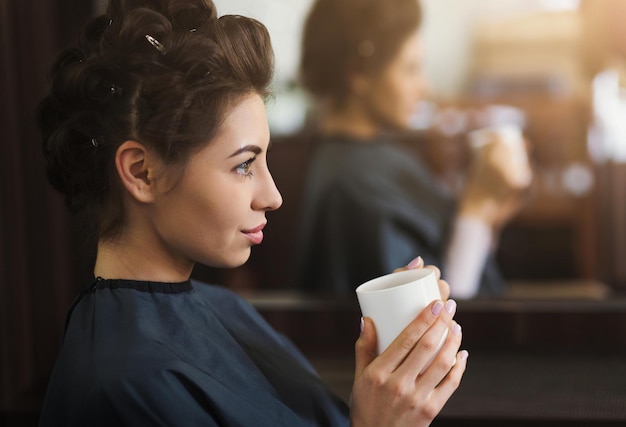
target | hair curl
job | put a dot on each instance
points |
(343, 37)
(171, 93)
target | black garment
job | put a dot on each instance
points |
(370, 207)
(183, 354)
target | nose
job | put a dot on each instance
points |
(268, 197)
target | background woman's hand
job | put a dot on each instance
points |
(495, 190)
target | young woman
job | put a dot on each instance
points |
(156, 125)
(370, 205)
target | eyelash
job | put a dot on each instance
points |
(244, 168)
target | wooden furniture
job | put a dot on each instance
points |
(532, 362)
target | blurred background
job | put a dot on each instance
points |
(546, 65)
(549, 65)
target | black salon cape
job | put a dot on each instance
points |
(370, 207)
(186, 354)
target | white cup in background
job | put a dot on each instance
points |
(517, 170)
(394, 300)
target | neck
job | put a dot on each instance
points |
(349, 119)
(140, 256)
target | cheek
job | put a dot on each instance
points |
(411, 95)
(398, 105)
(411, 90)
(398, 98)
(215, 216)
(198, 219)
(209, 233)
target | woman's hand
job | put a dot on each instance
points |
(389, 390)
(496, 186)
(444, 287)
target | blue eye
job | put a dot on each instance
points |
(245, 168)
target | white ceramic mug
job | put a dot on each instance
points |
(394, 300)
(517, 171)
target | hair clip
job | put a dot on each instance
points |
(157, 44)
(193, 30)
(116, 90)
(94, 142)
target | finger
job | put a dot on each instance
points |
(436, 270)
(430, 344)
(444, 361)
(400, 348)
(444, 289)
(424, 351)
(365, 346)
(451, 382)
(413, 265)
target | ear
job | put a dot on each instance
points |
(135, 167)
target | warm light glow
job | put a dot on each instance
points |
(561, 4)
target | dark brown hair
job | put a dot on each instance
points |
(162, 72)
(352, 36)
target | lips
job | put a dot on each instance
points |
(255, 234)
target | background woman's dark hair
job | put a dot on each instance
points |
(346, 36)
(162, 72)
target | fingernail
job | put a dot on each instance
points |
(464, 355)
(415, 263)
(362, 325)
(456, 329)
(450, 306)
(436, 308)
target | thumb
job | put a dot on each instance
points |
(365, 346)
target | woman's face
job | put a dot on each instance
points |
(215, 212)
(390, 97)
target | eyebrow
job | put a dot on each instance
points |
(248, 148)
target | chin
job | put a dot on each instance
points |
(228, 260)
(236, 261)
(398, 124)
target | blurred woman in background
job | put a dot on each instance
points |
(370, 205)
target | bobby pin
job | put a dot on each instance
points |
(157, 44)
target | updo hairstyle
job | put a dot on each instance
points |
(343, 37)
(161, 72)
